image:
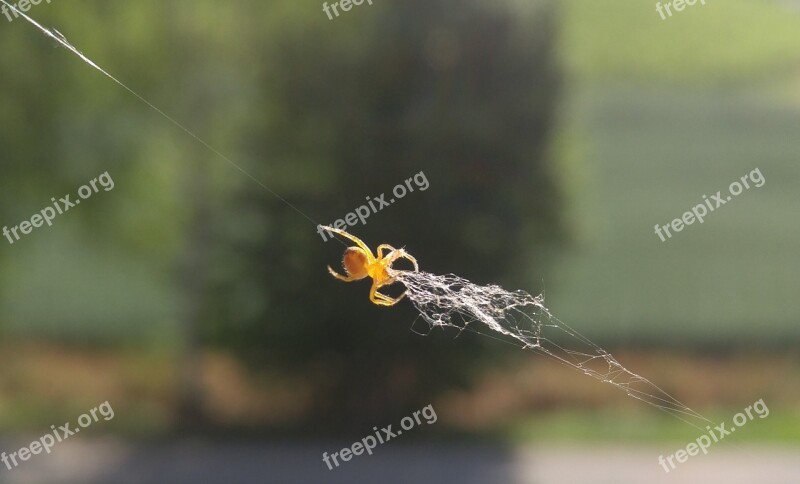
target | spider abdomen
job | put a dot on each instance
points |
(355, 262)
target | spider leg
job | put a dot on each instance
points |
(383, 247)
(341, 277)
(376, 297)
(382, 299)
(353, 238)
(396, 299)
(401, 254)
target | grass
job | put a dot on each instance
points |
(782, 425)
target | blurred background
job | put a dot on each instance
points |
(554, 135)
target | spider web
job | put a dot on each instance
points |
(522, 319)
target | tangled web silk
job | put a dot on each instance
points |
(520, 318)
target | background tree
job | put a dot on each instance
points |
(465, 93)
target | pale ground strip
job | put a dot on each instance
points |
(203, 461)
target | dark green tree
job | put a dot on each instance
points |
(461, 90)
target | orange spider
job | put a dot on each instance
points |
(359, 262)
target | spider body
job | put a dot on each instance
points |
(359, 263)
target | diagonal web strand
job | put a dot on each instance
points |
(61, 39)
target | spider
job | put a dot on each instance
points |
(359, 262)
